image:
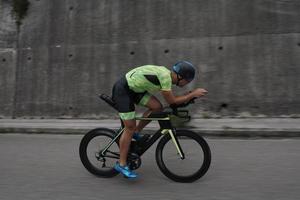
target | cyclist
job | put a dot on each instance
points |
(137, 87)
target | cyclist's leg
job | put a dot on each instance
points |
(124, 144)
(125, 105)
(125, 140)
(154, 105)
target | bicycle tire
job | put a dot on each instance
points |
(83, 151)
(179, 178)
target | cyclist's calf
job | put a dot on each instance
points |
(125, 140)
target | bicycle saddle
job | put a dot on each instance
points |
(108, 100)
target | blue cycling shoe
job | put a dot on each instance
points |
(137, 136)
(125, 171)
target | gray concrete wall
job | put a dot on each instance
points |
(8, 42)
(247, 53)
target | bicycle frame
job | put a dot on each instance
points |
(165, 128)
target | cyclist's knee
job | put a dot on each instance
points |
(130, 126)
(157, 107)
(154, 104)
(130, 129)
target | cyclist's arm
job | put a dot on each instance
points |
(172, 99)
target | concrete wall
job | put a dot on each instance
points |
(8, 57)
(247, 53)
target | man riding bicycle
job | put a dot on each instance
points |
(137, 87)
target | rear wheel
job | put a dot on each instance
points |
(91, 156)
(193, 166)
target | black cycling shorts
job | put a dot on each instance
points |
(125, 98)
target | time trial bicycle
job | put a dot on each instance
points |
(181, 155)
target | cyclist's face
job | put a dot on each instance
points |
(182, 83)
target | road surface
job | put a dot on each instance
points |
(42, 167)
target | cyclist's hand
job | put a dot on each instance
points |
(199, 92)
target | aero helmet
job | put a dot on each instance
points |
(184, 69)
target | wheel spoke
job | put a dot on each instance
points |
(91, 155)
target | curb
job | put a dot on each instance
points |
(227, 132)
(243, 128)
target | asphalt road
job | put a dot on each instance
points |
(48, 167)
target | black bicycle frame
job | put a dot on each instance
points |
(163, 119)
(165, 127)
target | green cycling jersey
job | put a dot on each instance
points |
(149, 78)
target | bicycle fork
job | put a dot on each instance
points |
(175, 141)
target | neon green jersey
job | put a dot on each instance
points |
(150, 78)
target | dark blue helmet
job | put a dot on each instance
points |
(184, 69)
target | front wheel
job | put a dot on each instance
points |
(193, 166)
